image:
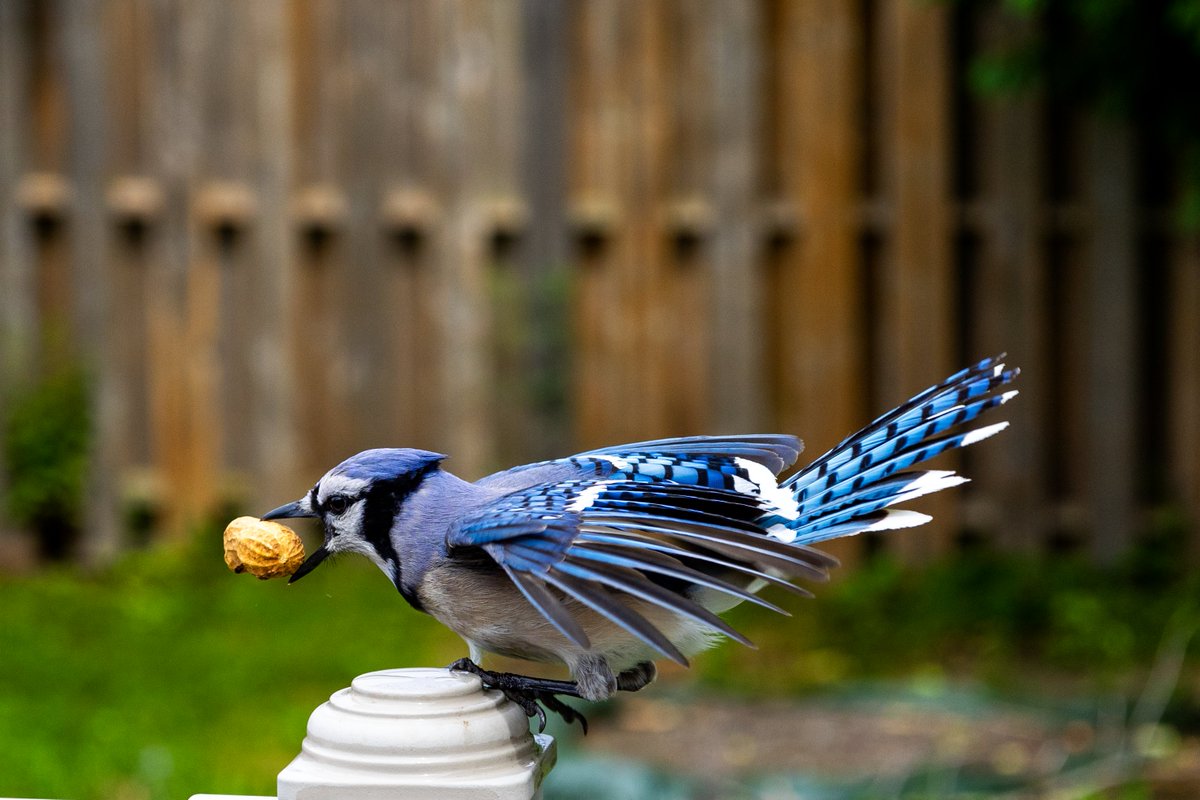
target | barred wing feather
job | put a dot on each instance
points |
(643, 520)
(598, 541)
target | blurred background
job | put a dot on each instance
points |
(241, 241)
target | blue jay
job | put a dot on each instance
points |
(609, 559)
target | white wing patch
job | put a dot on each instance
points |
(619, 464)
(588, 496)
(761, 482)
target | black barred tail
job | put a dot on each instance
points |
(851, 488)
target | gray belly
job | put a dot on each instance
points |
(485, 608)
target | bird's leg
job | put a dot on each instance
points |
(511, 680)
(530, 693)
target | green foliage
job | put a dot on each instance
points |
(169, 675)
(1132, 59)
(991, 615)
(46, 435)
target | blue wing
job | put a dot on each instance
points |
(704, 460)
(600, 542)
(655, 520)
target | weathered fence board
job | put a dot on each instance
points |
(1184, 380)
(282, 231)
(818, 282)
(321, 282)
(1111, 302)
(732, 59)
(917, 320)
(1007, 310)
(18, 309)
(85, 67)
(618, 192)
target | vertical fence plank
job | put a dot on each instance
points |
(646, 264)
(916, 346)
(734, 40)
(132, 206)
(207, 69)
(181, 450)
(1111, 357)
(505, 236)
(618, 141)
(324, 423)
(86, 69)
(18, 311)
(1184, 378)
(1007, 313)
(545, 364)
(225, 204)
(817, 292)
(683, 289)
(411, 214)
(602, 320)
(366, 326)
(44, 192)
(476, 73)
(272, 286)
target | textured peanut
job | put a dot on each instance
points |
(262, 548)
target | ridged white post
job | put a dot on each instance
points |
(418, 733)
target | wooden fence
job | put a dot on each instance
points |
(280, 232)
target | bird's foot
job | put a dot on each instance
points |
(535, 696)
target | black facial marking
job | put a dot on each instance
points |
(384, 500)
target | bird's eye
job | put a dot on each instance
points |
(338, 503)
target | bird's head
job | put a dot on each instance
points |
(357, 501)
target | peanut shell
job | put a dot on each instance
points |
(262, 548)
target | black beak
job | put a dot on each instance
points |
(294, 511)
(290, 511)
(310, 563)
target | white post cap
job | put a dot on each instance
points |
(418, 733)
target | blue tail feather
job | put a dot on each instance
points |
(941, 411)
(849, 489)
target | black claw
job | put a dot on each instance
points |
(565, 711)
(534, 696)
(534, 708)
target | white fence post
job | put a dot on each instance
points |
(417, 733)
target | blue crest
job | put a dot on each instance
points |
(386, 463)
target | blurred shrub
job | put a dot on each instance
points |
(994, 615)
(46, 435)
(1132, 59)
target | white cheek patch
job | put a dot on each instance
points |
(347, 536)
(340, 484)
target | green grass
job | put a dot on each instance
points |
(167, 675)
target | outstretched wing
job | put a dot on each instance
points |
(708, 460)
(596, 541)
(655, 519)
